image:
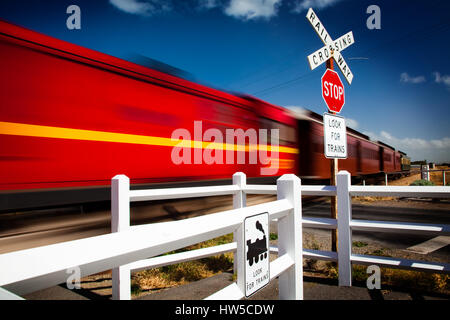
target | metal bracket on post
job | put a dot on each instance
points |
(344, 231)
(239, 201)
(120, 221)
(290, 238)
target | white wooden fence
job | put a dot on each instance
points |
(128, 248)
(26, 271)
(287, 209)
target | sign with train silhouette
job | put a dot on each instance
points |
(257, 274)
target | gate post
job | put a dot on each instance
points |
(290, 282)
(120, 221)
(344, 231)
(239, 201)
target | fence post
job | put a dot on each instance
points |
(239, 257)
(239, 201)
(443, 177)
(344, 231)
(290, 282)
(120, 221)
(385, 179)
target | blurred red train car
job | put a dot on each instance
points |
(71, 118)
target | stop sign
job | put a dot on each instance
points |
(333, 91)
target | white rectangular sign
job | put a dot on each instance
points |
(335, 136)
(256, 241)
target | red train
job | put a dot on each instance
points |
(71, 118)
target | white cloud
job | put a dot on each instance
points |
(143, 8)
(304, 5)
(442, 79)
(252, 9)
(208, 4)
(441, 143)
(352, 123)
(436, 150)
(296, 108)
(404, 77)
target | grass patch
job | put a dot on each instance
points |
(373, 199)
(359, 244)
(398, 278)
(379, 253)
(407, 279)
(273, 236)
(332, 270)
(182, 273)
(422, 182)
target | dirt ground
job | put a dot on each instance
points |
(436, 177)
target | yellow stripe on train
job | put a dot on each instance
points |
(32, 130)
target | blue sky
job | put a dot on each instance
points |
(401, 88)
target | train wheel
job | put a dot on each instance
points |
(257, 258)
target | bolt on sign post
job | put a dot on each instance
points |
(333, 93)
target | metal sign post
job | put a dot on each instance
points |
(334, 167)
(331, 50)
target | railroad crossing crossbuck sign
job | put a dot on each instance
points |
(332, 47)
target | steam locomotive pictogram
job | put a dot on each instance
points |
(258, 249)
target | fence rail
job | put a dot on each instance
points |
(132, 248)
